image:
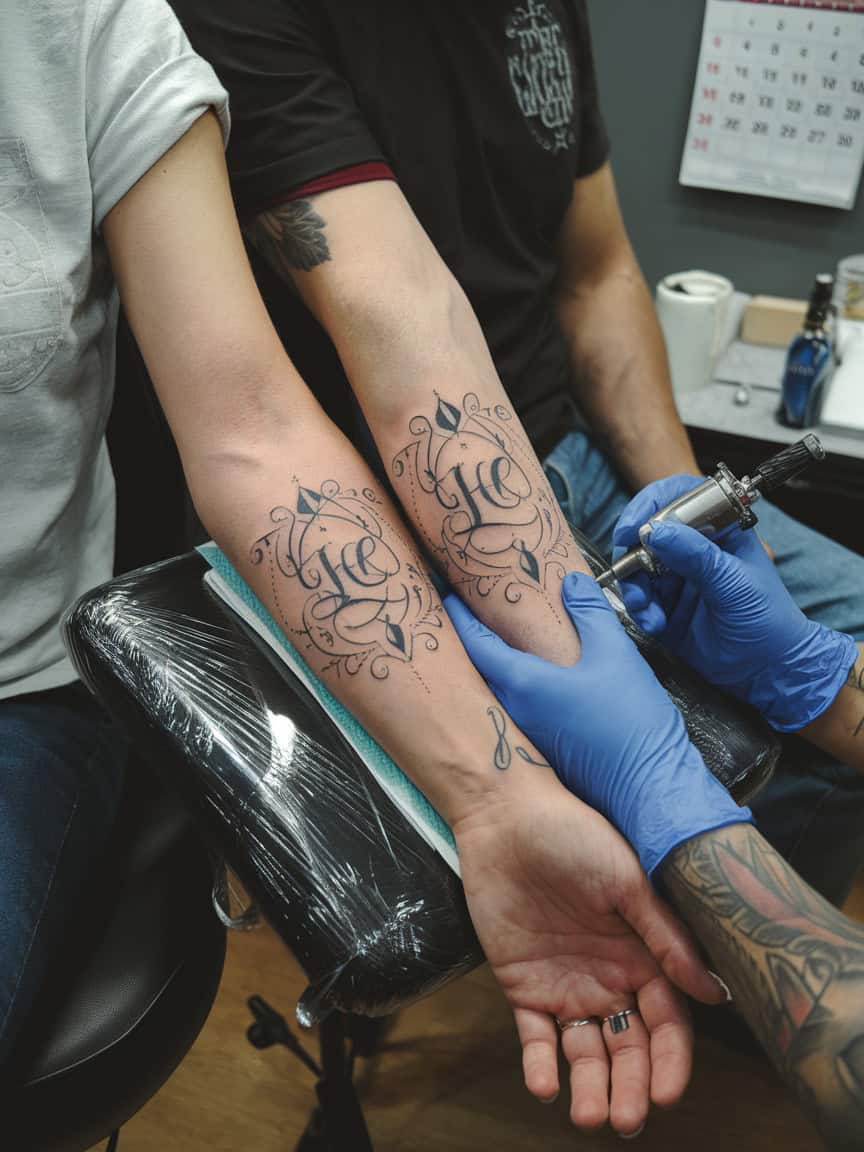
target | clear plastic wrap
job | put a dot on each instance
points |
(373, 914)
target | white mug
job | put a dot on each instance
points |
(693, 309)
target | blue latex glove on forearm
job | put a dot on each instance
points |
(606, 725)
(722, 608)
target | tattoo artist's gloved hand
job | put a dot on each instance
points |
(722, 608)
(606, 725)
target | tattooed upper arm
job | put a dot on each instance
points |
(292, 237)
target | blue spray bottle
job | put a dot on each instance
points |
(810, 359)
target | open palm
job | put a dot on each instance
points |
(572, 929)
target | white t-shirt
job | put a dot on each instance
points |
(92, 93)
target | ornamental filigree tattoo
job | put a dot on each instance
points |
(501, 527)
(363, 605)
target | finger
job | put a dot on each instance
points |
(669, 943)
(586, 1054)
(667, 1019)
(689, 554)
(630, 1055)
(646, 504)
(538, 1035)
(591, 613)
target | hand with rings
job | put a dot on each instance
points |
(583, 948)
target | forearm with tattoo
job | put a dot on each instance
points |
(794, 963)
(471, 484)
(342, 577)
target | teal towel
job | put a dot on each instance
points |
(404, 792)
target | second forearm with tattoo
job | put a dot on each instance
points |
(794, 964)
(460, 462)
(840, 730)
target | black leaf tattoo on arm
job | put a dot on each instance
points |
(291, 237)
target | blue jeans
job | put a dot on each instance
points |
(812, 811)
(61, 775)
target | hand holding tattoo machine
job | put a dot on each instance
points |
(718, 503)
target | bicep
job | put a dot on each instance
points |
(188, 291)
(351, 251)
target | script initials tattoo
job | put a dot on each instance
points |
(364, 605)
(503, 757)
(801, 963)
(501, 526)
(291, 237)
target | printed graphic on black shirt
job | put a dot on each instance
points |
(541, 73)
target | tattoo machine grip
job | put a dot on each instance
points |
(718, 502)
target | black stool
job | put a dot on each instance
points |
(128, 996)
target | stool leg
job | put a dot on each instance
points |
(113, 1141)
(338, 1123)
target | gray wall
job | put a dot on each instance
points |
(646, 53)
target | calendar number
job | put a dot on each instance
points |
(816, 136)
(852, 114)
(737, 97)
(793, 104)
(799, 79)
(845, 140)
(829, 83)
(824, 109)
(760, 128)
(742, 71)
(732, 124)
(770, 75)
(858, 87)
(767, 102)
(788, 132)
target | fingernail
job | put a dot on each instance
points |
(722, 984)
(552, 1099)
(632, 1135)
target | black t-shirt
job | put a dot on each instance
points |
(486, 111)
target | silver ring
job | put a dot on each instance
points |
(618, 1021)
(565, 1024)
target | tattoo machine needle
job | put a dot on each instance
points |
(719, 502)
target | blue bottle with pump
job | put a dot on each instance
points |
(810, 359)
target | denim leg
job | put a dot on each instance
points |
(61, 774)
(586, 485)
(812, 811)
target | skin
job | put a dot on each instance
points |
(317, 537)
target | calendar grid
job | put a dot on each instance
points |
(778, 102)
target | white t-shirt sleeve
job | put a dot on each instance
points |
(145, 89)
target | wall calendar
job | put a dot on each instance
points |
(778, 104)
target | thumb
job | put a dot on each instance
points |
(690, 555)
(592, 615)
(488, 653)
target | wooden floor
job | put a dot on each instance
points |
(446, 1080)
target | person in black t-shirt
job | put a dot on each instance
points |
(428, 191)
(407, 167)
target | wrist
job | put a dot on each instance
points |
(676, 802)
(800, 687)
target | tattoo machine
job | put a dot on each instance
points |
(719, 502)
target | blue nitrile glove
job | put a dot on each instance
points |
(606, 725)
(722, 608)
